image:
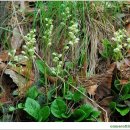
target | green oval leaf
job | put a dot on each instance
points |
(58, 107)
(11, 108)
(123, 111)
(43, 68)
(112, 105)
(32, 107)
(126, 89)
(117, 84)
(79, 115)
(125, 97)
(44, 113)
(40, 66)
(96, 114)
(87, 109)
(32, 92)
(20, 106)
(68, 95)
(78, 96)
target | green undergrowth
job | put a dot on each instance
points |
(62, 43)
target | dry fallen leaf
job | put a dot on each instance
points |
(18, 79)
(106, 101)
(103, 81)
(105, 104)
(4, 56)
(22, 90)
(21, 81)
(52, 79)
(123, 82)
(124, 68)
(3, 98)
(111, 68)
(16, 40)
(92, 89)
(2, 66)
(24, 71)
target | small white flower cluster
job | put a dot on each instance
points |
(121, 42)
(65, 15)
(28, 48)
(13, 57)
(57, 60)
(119, 35)
(118, 48)
(73, 32)
(12, 54)
(48, 33)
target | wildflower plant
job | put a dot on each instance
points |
(65, 14)
(58, 62)
(29, 50)
(29, 47)
(119, 47)
(48, 32)
(72, 35)
(72, 39)
(28, 53)
(121, 44)
(13, 57)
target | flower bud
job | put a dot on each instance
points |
(71, 33)
(67, 9)
(46, 19)
(60, 62)
(55, 59)
(25, 37)
(54, 54)
(63, 13)
(66, 47)
(59, 66)
(113, 39)
(23, 52)
(125, 44)
(62, 23)
(120, 46)
(76, 40)
(9, 54)
(128, 46)
(31, 31)
(33, 56)
(49, 44)
(24, 47)
(10, 63)
(116, 50)
(16, 58)
(28, 43)
(70, 43)
(128, 39)
(60, 55)
(25, 57)
(51, 27)
(14, 51)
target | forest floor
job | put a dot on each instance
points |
(65, 61)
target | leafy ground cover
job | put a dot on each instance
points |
(64, 61)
